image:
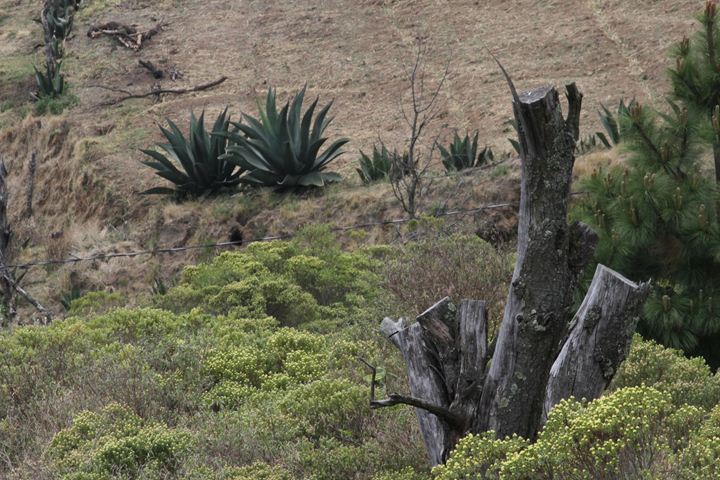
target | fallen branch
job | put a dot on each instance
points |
(127, 36)
(47, 316)
(161, 91)
(110, 89)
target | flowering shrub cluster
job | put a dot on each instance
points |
(633, 432)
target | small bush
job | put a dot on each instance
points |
(687, 380)
(55, 105)
(701, 459)
(113, 441)
(478, 456)
(460, 266)
(257, 471)
(305, 282)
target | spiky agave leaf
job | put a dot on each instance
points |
(199, 156)
(60, 21)
(283, 148)
(49, 85)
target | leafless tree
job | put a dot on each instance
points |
(9, 280)
(408, 175)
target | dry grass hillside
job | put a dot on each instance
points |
(355, 52)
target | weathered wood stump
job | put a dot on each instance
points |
(542, 353)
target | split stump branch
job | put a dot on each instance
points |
(542, 353)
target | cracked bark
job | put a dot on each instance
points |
(538, 359)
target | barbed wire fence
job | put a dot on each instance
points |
(219, 245)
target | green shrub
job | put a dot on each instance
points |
(613, 437)
(282, 149)
(334, 407)
(331, 459)
(478, 457)
(200, 156)
(115, 440)
(463, 153)
(304, 282)
(257, 471)
(407, 473)
(701, 459)
(634, 432)
(687, 380)
(94, 303)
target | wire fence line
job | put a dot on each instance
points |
(171, 250)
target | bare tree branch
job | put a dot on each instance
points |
(408, 172)
(397, 399)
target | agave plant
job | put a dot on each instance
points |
(377, 167)
(588, 144)
(610, 124)
(463, 153)
(200, 155)
(50, 84)
(282, 148)
(60, 19)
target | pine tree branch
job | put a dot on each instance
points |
(655, 150)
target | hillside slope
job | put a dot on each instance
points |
(353, 52)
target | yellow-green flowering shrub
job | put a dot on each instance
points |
(287, 280)
(478, 457)
(701, 459)
(115, 441)
(634, 432)
(331, 459)
(95, 303)
(257, 471)
(687, 380)
(282, 359)
(407, 473)
(333, 407)
(620, 435)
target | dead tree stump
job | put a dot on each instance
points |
(542, 353)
